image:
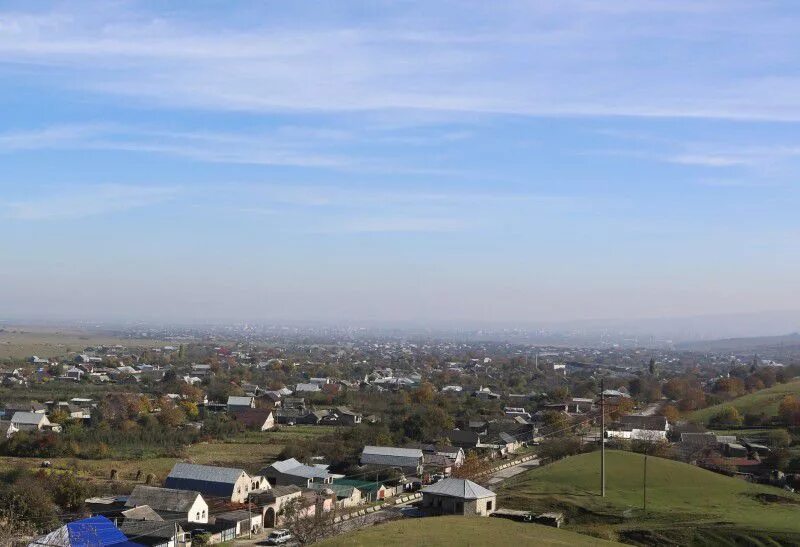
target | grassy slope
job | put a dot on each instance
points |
(680, 497)
(765, 400)
(461, 531)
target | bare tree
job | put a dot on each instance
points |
(307, 519)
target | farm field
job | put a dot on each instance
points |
(250, 451)
(685, 504)
(473, 531)
(765, 400)
(22, 342)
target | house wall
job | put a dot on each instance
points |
(455, 506)
(199, 507)
(241, 489)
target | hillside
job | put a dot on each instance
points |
(461, 531)
(685, 504)
(764, 400)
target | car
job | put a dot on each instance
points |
(278, 537)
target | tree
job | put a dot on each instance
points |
(727, 416)
(556, 423)
(670, 413)
(307, 520)
(651, 367)
(789, 410)
(778, 438)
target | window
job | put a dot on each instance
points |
(488, 505)
(198, 516)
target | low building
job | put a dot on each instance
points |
(239, 404)
(458, 497)
(209, 480)
(242, 520)
(32, 421)
(643, 428)
(170, 503)
(291, 471)
(408, 460)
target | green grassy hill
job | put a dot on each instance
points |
(765, 400)
(462, 531)
(686, 505)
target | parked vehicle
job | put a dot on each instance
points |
(278, 537)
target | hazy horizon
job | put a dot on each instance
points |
(421, 162)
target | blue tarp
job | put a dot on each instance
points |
(90, 532)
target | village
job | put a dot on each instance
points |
(416, 436)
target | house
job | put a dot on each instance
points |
(209, 480)
(291, 471)
(170, 503)
(635, 427)
(485, 394)
(74, 373)
(32, 421)
(458, 497)
(346, 495)
(237, 404)
(465, 439)
(370, 491)
(408, 460)
(308, 388)
(272, 502)
(259, 419)
(342, 416)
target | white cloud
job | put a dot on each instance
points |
(87, 201)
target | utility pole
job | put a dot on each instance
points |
(644, 485)
(249, 518)
(602, 440)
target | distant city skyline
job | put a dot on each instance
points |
(424, 162)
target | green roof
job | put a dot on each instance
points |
(364, 486)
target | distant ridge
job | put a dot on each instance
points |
(751, 344)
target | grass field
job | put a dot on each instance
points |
(475, 531)
(765, 400)
(22, 342)
(250, 451)
(684, 503)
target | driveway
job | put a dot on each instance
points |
(499, 476)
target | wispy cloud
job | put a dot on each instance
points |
(520, 58)
(87, 201)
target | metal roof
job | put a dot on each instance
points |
(208, 473)
(29, 418)
(162, 499)
(297, 469)
(392, 451)
(239, 401)
(458, 488)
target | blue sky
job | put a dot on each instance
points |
(383, 161)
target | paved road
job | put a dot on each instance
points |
(499, 476)
(651, 409)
